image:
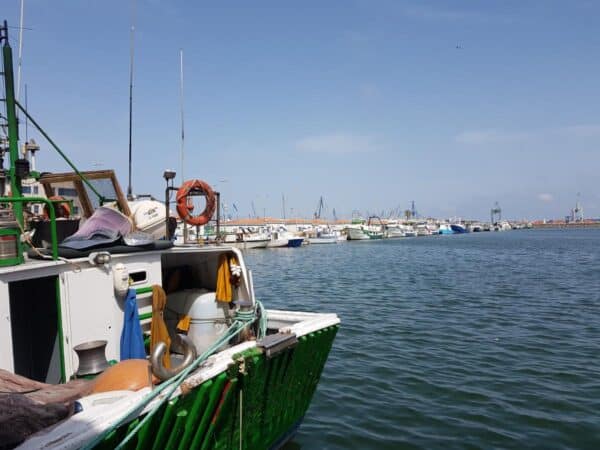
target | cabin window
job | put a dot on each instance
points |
(138, 277)
(67, 192)
(34, 327)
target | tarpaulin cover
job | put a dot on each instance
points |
(105, 227)
(104, 219)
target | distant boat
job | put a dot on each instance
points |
(395, 232)
(324, 236)
(295, 241)
(283, 238)
(458, 228)
(409, 231)
(423, 229)
(476, 227)
(502, 226)
(247, 238)
(363, 233)
(445, 229)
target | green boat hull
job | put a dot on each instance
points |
(257, 403)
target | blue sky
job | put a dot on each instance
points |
(367, 103)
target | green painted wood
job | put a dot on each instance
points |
(177, 430)
(200, 397)
(220, 414)
(213, 397)
(276, 394)
(165, 425)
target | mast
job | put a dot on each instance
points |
(11, 116)
(18, 94)
(131, 42)
(181, 106)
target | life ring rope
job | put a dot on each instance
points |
(184, 205)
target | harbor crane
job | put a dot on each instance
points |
(577, 212)
(320, 208)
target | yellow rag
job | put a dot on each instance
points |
(224, 293)
(184, 323)
(158, 327)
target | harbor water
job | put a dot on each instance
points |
(483, 340)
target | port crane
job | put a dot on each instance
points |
(320, 208)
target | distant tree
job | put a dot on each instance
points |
(407, 213)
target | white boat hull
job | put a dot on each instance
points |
(250, 244)
(354, 234)
(323, 240)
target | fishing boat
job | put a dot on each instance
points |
(113, 339)
(393, 232)
(362, 233)
(281, 237)
(246, 238)
(476, 227)
(409, 231)
(445, 228)
(459, 228)
(324, 236)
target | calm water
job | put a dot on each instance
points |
(487, 340)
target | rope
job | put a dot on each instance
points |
(243, 319)
(262, 322)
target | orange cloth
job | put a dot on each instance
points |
(184, 323)
(224, 292)
(158, 327)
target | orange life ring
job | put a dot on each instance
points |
(183, 207)
(61, 209)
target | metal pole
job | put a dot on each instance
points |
(19, 61)
(131, 37)
(13, 126)
(167, 199)
(181, 105)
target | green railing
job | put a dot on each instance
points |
(144, 290)
(51, 212)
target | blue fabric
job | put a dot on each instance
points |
(132, 341)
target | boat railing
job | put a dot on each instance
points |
(51, 214)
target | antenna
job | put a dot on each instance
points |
(131, 42)
(20, 51)
(181, 104)
(26, 118)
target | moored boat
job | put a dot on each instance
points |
(458, 228)
(445, 228)
(125, 341)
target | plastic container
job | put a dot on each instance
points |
(209, 318)
(150, 217)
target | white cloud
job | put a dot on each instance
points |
(439, 14)
(336, 143)
(545, 197)
(480, 137)
(582, 131)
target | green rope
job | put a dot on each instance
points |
(169, 387)
(262, 322)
